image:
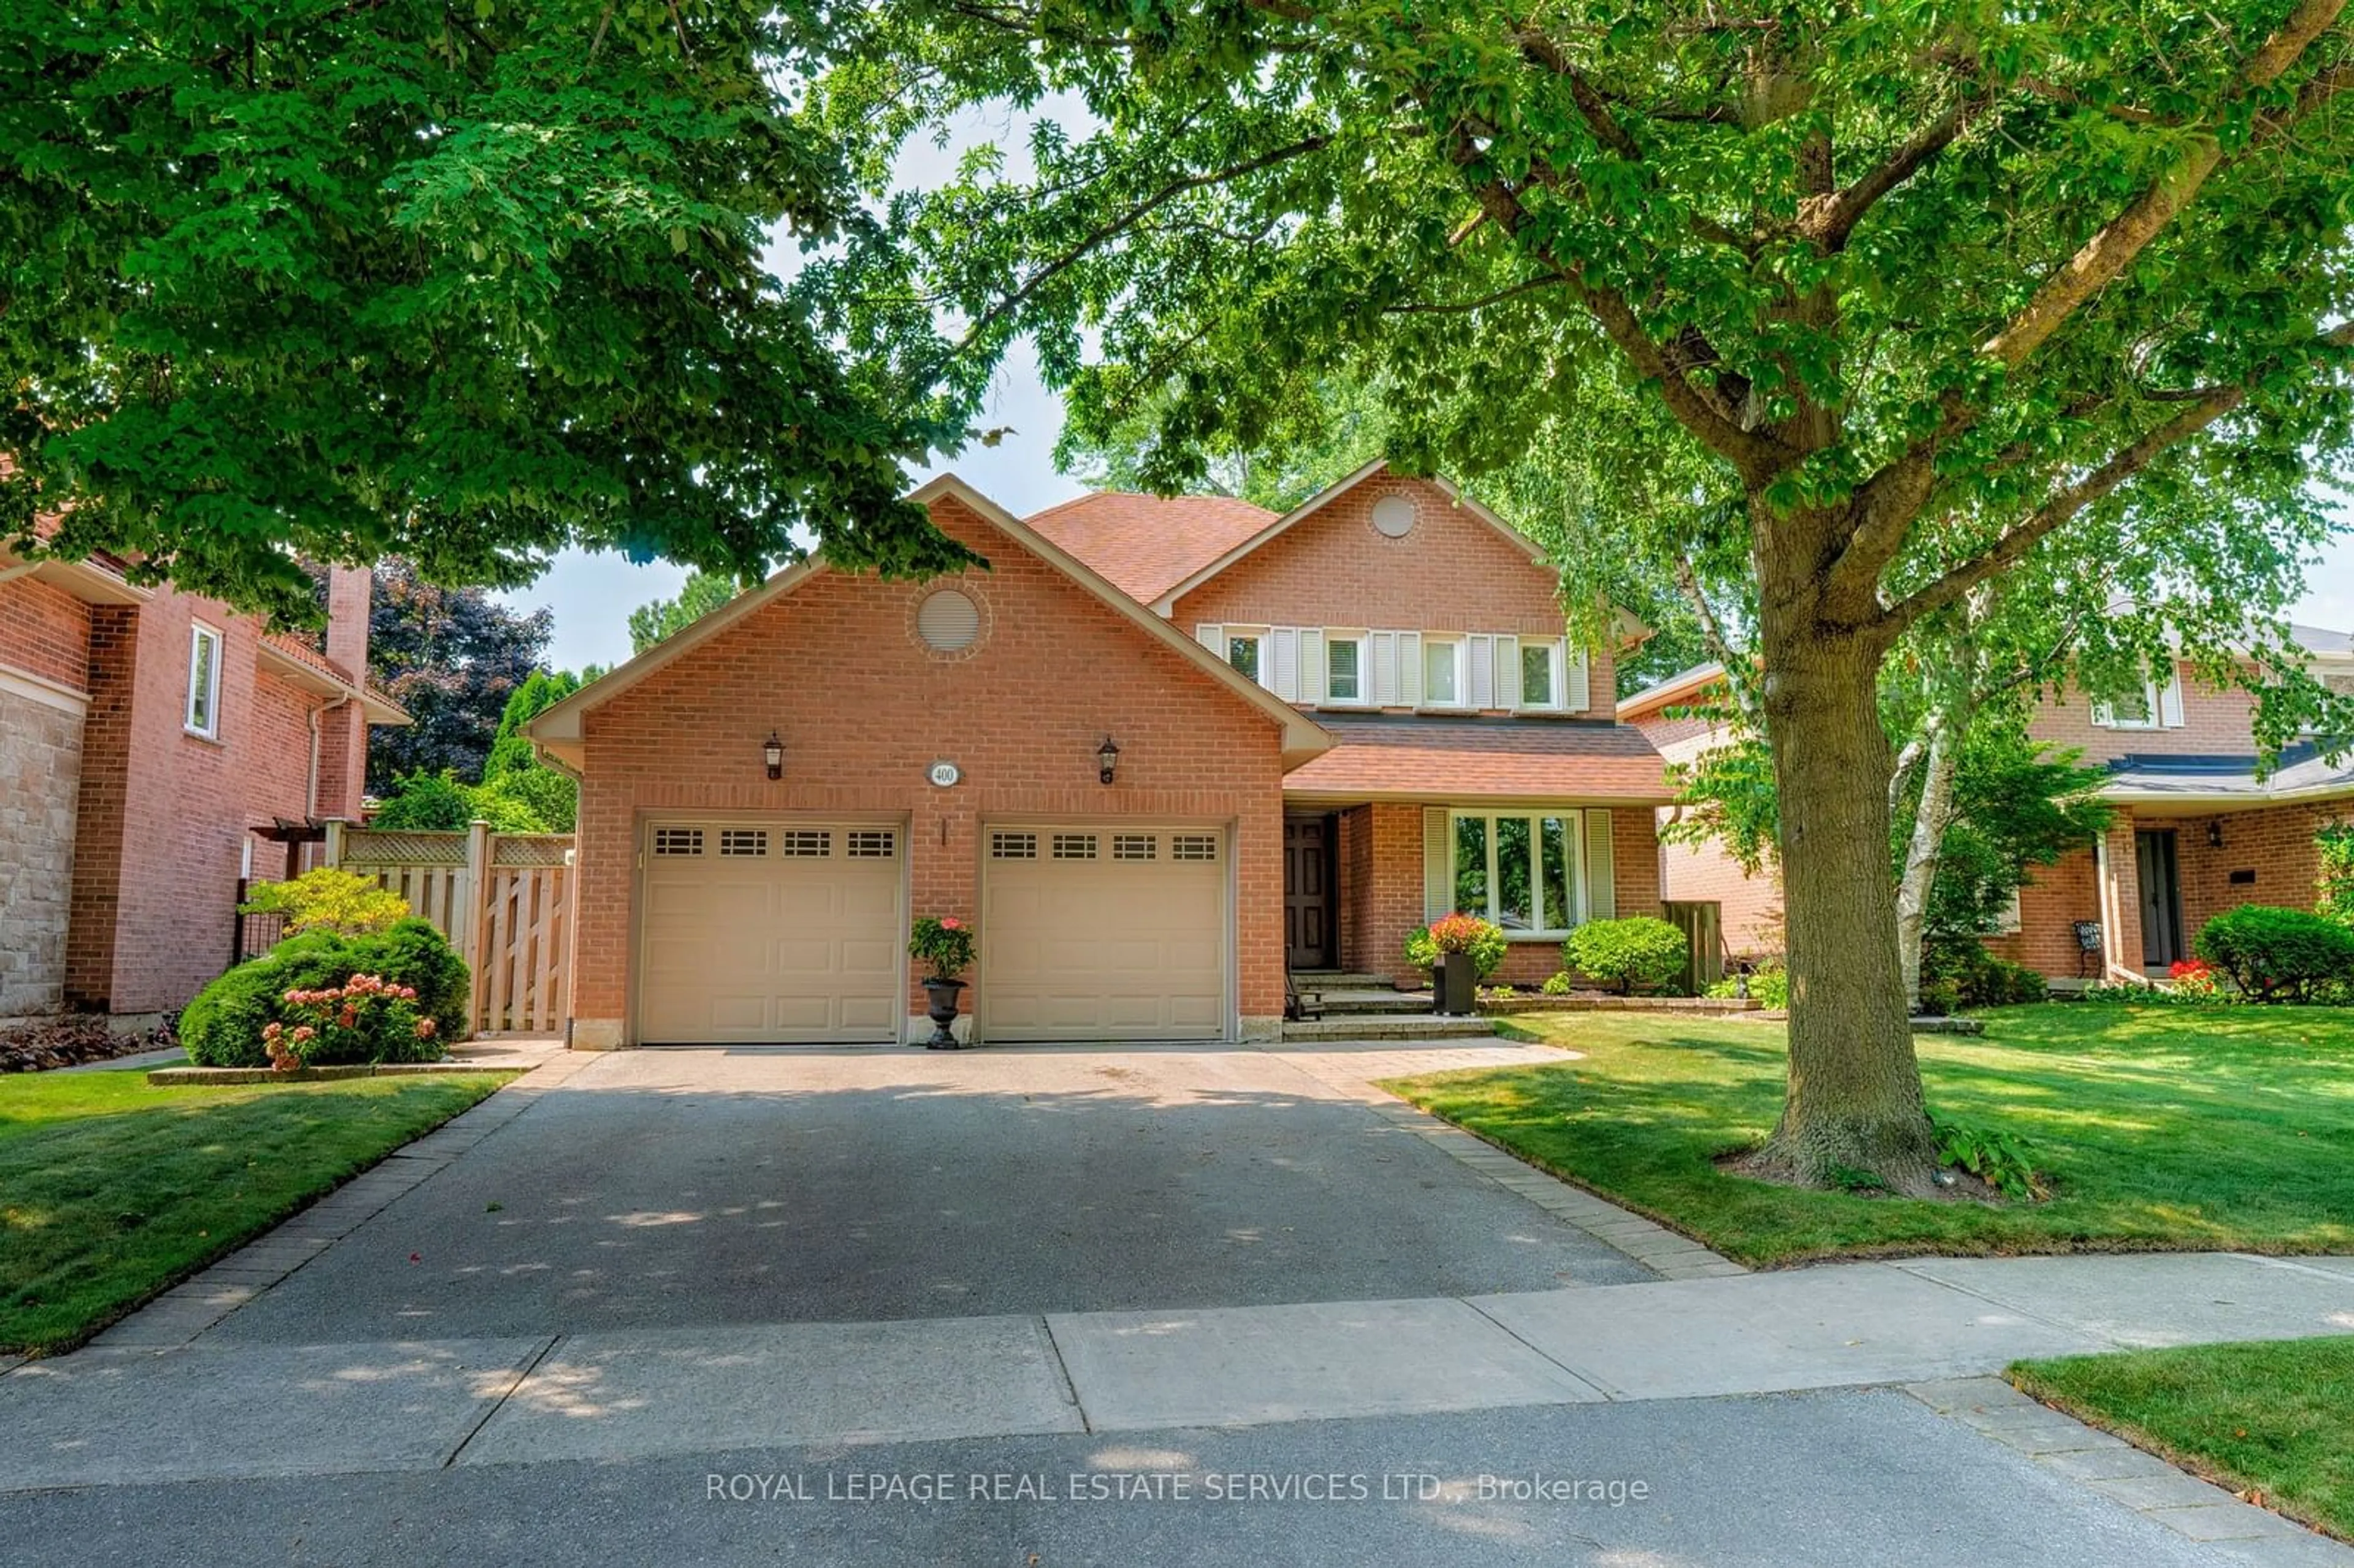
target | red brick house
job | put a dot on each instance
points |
(145, 735)
(1324, 728)
(2197, 829)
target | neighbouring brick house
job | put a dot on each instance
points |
(2197, 829)
(1160, 753)
(145, 735)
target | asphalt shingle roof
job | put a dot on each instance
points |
(1147, 544)
(1474, 759)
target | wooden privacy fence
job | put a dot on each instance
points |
(505, 900)
(1702, 923)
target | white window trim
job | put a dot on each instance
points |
(199, 634)
(1556, 695)
(1461, 701)
(1262, 635)
(1361, 641)
(1573, 817)
(2009, 921)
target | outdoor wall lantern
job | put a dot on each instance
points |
(2215, 833)
(1107, 758)
(773, 753)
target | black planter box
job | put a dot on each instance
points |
(1454, 984)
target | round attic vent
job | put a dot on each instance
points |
(948, 621)
(1393, 517)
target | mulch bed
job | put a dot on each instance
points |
(69, 1042)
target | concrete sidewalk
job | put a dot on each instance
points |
(219, 1409)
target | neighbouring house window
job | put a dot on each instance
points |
(1518, 869)
(1344, 669)
(1241, 652)
(2007, 921)
(2157, 705)
(1442, 672)
(1540, 674)
(203, 681)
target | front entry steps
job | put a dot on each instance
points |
(1358, 1006)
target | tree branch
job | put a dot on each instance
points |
(2112, 248)
(2039, 524)
(1103, 234)
(1464, 307)
(1829, 221)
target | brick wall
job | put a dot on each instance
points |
(2053, 900)
(45, 632)
(166, 814)
(863, 707)
(1451, 573)
(1750, 907)
(2215, 720)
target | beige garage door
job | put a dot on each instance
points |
(770, 933)
(1093, 931)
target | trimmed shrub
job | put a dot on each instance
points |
(329, 899)
(2279, 955)
(1458, 934)
(1558, 983)
(1769, 984)
(224, 1026)
(1976, 978)
(1641, 950)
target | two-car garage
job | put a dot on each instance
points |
(791, 931)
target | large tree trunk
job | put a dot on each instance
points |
(1854, 1101)
(1926, 845)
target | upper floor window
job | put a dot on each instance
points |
(203, 680)
(1540, 674)
(1442, 672)
(2156, 706)
(1344, 668)
(1243, 651)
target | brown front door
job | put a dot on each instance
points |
(1308, 893)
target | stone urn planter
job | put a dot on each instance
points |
(945, 946)
(1454, 984)
(943, 996)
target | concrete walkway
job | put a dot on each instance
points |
(217, 1408)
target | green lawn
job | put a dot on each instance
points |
(112, 1190)
(2274, 1420)
(2156, 1127)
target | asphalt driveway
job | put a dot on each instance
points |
(681, 1187)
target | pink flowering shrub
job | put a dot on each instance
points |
(366, 1019)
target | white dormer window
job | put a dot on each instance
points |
(1442, 672)
(2156, 706)
(203, 681)
(1541, 674)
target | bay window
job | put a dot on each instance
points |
(1520, 870)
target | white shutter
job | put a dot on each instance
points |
(1312, 668)
(1380, 678)
(1601, 876)
(1281, 669)
(1437, 863)
(1508, 672)
(1479, 653)
(1409, 691)
(1212, 636)
(1574, 695)
(2170, 701)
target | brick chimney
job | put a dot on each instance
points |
(348, 620)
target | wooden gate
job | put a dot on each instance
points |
(505, 900)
